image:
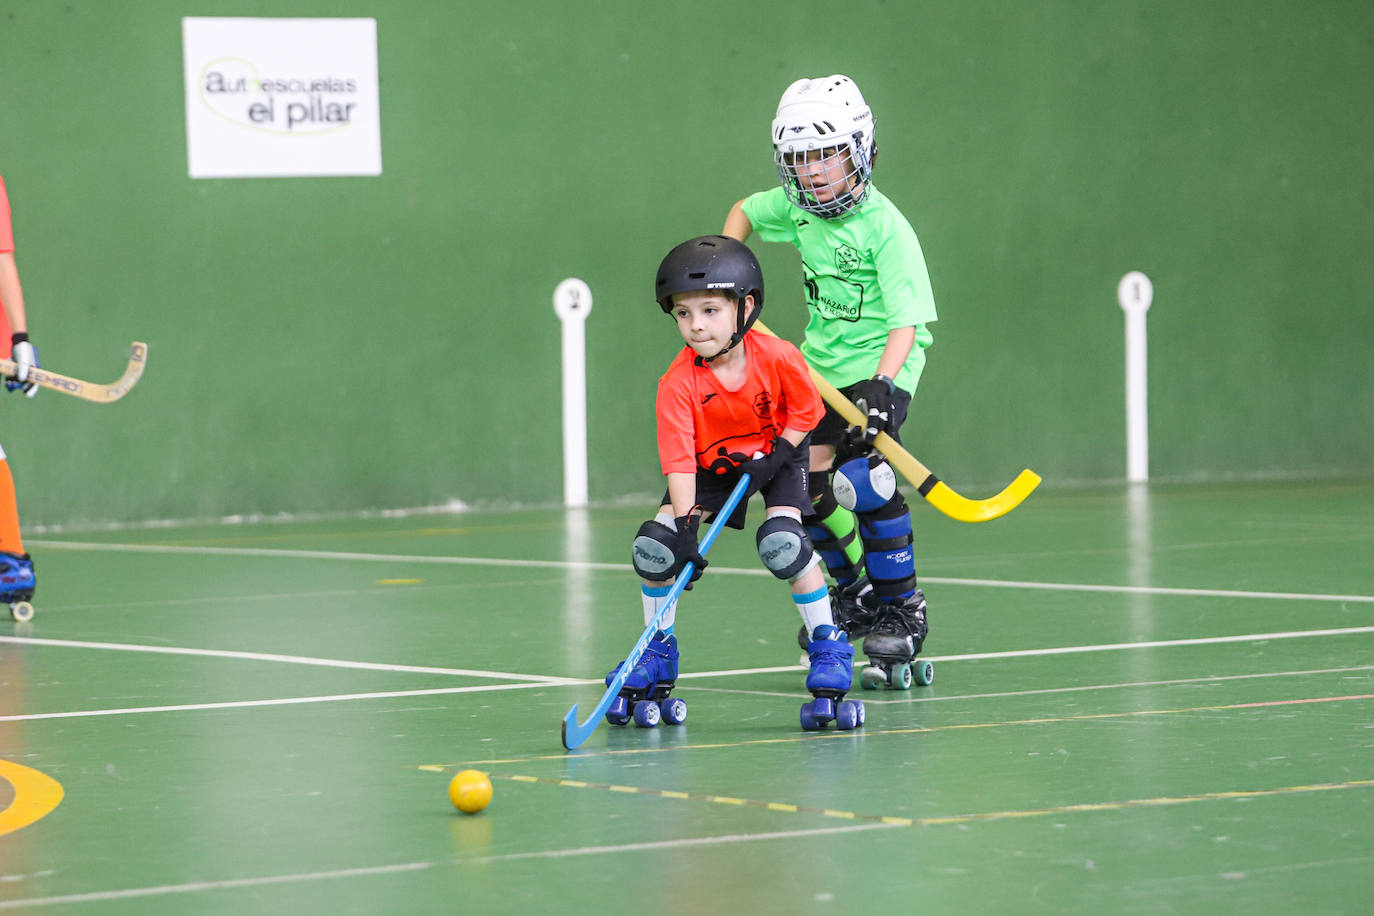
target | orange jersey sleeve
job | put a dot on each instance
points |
(6, 229)
(704, 426)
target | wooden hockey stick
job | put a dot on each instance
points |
(88, 391)
(935, 491)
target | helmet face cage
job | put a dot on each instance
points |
(823, 145)
(714, 263)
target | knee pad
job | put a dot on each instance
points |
(864, 484)
(785, 549)
(886, 535)
(654, 552)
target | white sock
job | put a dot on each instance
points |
(814, 608)
(652, 599)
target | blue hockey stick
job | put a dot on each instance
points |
(574, 733)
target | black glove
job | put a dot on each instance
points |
(874, 397)
(763, 469)
(687, 548)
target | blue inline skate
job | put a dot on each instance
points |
(17, 584)
(644, 695)
(894, 643)
(832, 669)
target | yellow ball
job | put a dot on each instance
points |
(470, 791)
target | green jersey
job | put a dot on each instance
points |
(865, 275)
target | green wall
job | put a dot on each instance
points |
(346, 344)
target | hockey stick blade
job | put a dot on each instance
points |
(575, 733)
(88, 391)
(936, 492)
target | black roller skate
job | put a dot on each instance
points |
(832, 671)
(644, 695)
(17, 584)
(894, 643)
(854, 608)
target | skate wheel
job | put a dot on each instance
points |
(849, 715)
(674, 710)
(900, 677)
(823, 708)
(647, 714)
(863, 713)
(618, 713)
(872, 676)
(21, 611)
(809, 722)
(925, 673)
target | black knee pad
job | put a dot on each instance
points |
(654, 552)
(784, 547)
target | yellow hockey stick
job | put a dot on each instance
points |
(935, 491)
(88, 391)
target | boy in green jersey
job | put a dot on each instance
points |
(870, 302)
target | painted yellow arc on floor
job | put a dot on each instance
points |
(35, 794)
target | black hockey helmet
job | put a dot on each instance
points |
(712, 262)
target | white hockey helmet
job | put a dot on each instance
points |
(820, 119)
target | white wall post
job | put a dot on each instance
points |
(1134, 293)
(572, 303)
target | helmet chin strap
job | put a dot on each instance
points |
(735, 338)
(738, 336)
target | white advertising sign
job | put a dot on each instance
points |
(281, 97)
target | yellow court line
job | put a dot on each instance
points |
(1159, 801)
(35, 794)
(875, 733)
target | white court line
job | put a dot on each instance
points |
(677, 844)
(726, 570)
(919, 698)
(281, 701)
(198, 886)
(1154, 644)
(287, 659)
(1149, 590)
(582, 682)
(101, 896)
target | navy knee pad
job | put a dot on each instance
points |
(864, 484)
(784, 548)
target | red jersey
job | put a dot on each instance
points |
(702, 426)
(6, 246)
(6, 230)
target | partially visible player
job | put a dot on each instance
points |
(728, 395)
(16, 567)
(870, 302)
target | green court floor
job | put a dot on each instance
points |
(1146, 701)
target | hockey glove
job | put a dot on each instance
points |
(874, 397)
(687, 548)
(25, 358)
(764, 468)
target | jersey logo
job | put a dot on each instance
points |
(763, 406)
(846, 260)
(709, 396)
(833, 297)
(803, 222)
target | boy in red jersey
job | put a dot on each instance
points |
(16, 568)
(728, 395)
